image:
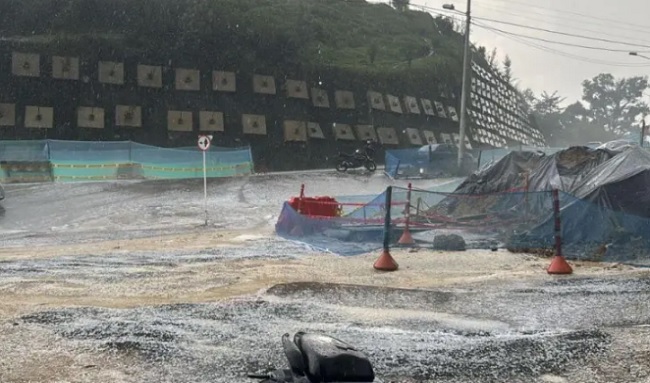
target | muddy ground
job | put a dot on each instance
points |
(119, 282)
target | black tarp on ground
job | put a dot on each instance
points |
(503, 175)
(605, 213)
(564, 170)
(604, 198)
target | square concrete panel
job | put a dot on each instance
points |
(297, 89)
(320, 98)
(388, 136)
(111, 72)
(25, 64)
(376, 100)
(456, 139)
(295, 131)
(211, 121)
(188, 79)
(264, 84)
(7, 114)
(89, 117)
(366, 132)
(314, 130)
(39, 117)
(128, 116)
(428, 107)
(429, 137)
(344, 99)
(411, 104)
(150, 76)
(446, 138)
(179, 121)
(343, 132)
(452, 113)
(394, 104)
(65, 68)
(254, 124)
(440, 109)
(224, 81)
(414, 136)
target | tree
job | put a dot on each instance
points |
(507, 69)
(492, 60)
(530, 99)
(401, 5)
(549, 104)
(615, 104)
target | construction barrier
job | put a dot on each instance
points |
(435, 161)
(516, 220)
(65, 161)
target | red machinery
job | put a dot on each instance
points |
(315, 206)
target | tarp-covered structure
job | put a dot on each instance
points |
(605, 197)
(537, 171)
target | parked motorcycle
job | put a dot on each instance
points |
(316, 358)
(355, 160)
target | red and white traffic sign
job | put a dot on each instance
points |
(204, 142)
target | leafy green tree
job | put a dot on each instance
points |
(615, 104)
(401, 5)
(549, 104)
(507, 69)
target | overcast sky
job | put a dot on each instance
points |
(564, 67)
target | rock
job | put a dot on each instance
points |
(449, 242)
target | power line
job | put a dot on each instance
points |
(562, 33)
(519, 39)
(618, 22)
(550, 31)
(569, 25)
(591, 47)
(566, 44)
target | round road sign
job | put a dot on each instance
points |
(204, 143)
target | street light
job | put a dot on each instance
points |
(638, 55)
(466, 73)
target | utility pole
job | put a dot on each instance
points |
(467, 66)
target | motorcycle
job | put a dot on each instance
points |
(355, 160)
(316, 358)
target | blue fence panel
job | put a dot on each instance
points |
(27, 151)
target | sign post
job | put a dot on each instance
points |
(204, 144)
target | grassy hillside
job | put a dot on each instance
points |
(299, 35)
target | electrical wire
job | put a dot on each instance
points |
(548, 31)
(591, 47)
(521, 40)
(562, 33)
(570, 22)
(619, 23)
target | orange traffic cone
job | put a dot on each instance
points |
(385, 262)
(559, 265)
(406, 238)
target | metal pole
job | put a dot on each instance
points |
(205, 189)
(527, 186)
(463, 98)
(408, 207)
(643, 131)
(557, 224)
(302, 195)
(389, 194)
